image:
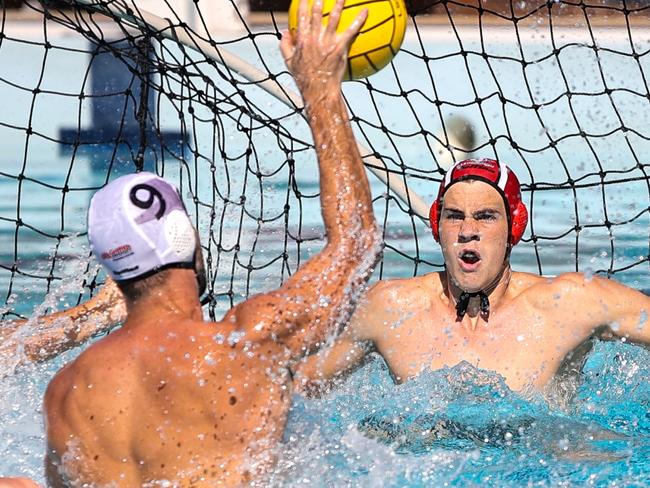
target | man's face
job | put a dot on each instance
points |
(473, 234)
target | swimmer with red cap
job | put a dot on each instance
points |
(464, 255)
(523, 326)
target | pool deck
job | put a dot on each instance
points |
(615, 19)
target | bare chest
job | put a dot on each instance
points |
(526, 348)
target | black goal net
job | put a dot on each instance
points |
(197, 92)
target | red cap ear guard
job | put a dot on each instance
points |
(434, 219)
(496, 174)
(518, 222)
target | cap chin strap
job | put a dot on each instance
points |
(484, 307)
(463, 303)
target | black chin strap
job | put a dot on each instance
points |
(463, 303)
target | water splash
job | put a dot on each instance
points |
(12, 347)
(458, 426)
(464, 426)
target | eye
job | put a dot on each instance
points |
(454, 216)
(485, 216)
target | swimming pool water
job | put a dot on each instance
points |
(483, 433)
(459, 426)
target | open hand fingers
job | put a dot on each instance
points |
(286, 45)
(334, 17)
(355, 27)
(315, 53)
(317, 15)
(303, 15)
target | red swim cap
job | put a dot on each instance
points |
(497, 175)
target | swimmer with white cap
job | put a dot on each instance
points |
(523, 326)
(169, 399)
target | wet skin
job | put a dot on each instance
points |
(171, 397)
(534, 325)
(52, 334)
(17, 483)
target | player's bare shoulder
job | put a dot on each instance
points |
(85, 364)
(57, 388)
(88, 368)
(525, 283)
(388, 300)
(405, 293)
(553, 292)
(547, 287)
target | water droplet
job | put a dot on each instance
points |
(235, 337)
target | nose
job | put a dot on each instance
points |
(468, 231)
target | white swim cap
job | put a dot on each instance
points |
(137, 225)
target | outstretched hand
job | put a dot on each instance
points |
(315, 54)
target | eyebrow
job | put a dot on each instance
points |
(480, 210)
(452, 209)
(486, 210)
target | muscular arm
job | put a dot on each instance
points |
(625, 309)
(58, 332)
(320, 295)
(316, 373)
(600, 301)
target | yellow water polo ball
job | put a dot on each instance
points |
(379, 39)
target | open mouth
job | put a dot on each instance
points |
(469, 260)
(469, 257)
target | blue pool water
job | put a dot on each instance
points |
(458, 426)
(483, 433)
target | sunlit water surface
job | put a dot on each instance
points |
(456, 426)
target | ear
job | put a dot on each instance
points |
(519, 222)
(434, 218)
(199, 266)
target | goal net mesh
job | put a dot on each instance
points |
(558, 90)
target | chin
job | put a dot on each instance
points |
(472, 287)
(465, 282)
(469, 282)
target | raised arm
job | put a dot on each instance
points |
(320, 295)
(53, 334)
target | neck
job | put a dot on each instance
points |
(495, 291)
(176, 296)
